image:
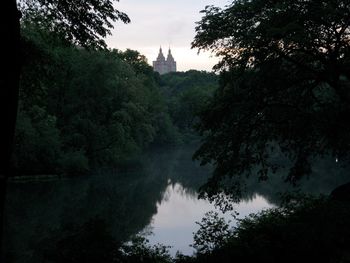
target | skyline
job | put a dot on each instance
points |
(163, 24)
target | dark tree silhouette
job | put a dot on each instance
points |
(285, 86)
(81, 22)
(10, 72)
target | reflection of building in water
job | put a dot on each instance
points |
(163, 65)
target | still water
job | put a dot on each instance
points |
(174, 222)
(157, 194)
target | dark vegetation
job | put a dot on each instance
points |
(284, 90)
(82, 109)
(84, 23)
(87, 108)
(187, 93)
(280, 110)
(303, 229)
(283, 102)
(46, 217)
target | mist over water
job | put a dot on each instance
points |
(158, 193)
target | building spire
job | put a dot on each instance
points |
(160, 55)
(163, 65)
(170, 56)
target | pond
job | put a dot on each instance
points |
(157, 194)
(174, 222)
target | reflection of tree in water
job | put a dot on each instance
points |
(42, 213)
(126, 203)
(91, 241)
(326, 175)
(179, 168)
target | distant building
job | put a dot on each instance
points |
(163, 65)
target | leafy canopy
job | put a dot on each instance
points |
(84, 22)
(81, 109)
(285, 89)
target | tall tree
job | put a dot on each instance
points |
(81, 22)
(285, 86)
(9, 85)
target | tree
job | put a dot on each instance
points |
(285, 86)
(82, 22)
(187, 93)
(80, 109)
(9, 83)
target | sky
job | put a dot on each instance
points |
(164, 23)
(176, 229)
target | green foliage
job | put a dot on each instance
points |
(137, 61)
(304, 229)
(187, 94)
(74, 163)
(284, 89)
(107, 104)
(80, 22)
(38, 144)
(103, 107)
(139, 250)
(212, 234)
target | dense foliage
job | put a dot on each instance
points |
(82, 108)
(187, 93)
(81, 22)
(283, 100)
(285, 87)
(303, 229)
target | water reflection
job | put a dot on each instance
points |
(177, 213)
(159, 192)
(43, 210)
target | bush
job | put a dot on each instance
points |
(302, 230)
(74, 163)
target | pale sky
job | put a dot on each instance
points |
(165, 23)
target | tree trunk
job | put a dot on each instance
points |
(9, 87)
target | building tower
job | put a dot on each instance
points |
(164, 66)
(171, 63)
